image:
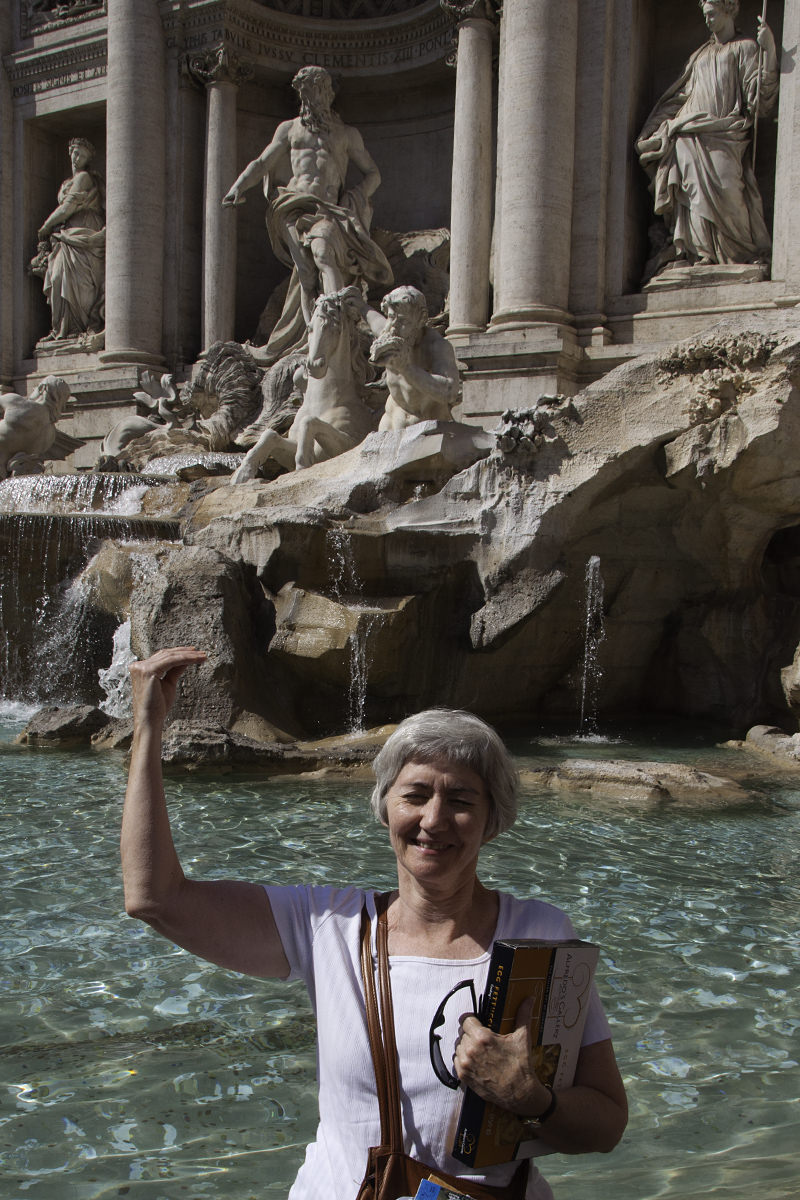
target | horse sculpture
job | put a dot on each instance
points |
(333, 416)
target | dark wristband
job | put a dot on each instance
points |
(536, 1122)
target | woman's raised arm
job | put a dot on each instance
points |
(225, 921)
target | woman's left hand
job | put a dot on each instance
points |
(498, 1066)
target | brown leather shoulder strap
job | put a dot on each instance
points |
(373, 1024)
(387, 1020)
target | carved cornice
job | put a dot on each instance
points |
(31, 73)
(219, 65)
(278, 41)
(342, 10)
(465, 10)
(40, 16)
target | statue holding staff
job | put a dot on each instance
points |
(694, 145)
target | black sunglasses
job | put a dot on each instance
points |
(443, 1074)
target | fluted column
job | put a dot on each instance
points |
(7, 289)
(786, 233)
(471, 198)
(221, 72)
(135, 200)
(539, 42)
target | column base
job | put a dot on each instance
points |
(592, 329)
(527, 315)
(130, 357)
(463, 330)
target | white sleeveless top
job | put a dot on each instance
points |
(320, 931)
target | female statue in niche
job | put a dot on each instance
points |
(695, 144)
(72, 250)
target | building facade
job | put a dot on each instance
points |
(511, 125)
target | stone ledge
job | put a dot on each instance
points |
(642, 784)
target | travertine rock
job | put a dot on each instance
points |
(778, 744)
(676, 471)
(658, 784)
(194, 595)
(63, 726)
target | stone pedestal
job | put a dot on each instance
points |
(471, 202)
(532, 266)
(135, 201)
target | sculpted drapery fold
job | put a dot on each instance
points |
(695, 146)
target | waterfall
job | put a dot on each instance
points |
(69, 494)
(115, 679)
(52, 638)
(593, 634)
(348, 590)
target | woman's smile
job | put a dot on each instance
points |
(437, 814)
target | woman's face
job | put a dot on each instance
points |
(437, 813)
(715, 16)
(79, 157)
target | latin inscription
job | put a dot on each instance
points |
(34, 87)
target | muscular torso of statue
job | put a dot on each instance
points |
(318, 160)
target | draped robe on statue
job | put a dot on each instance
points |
(74, 283)
(702, 179)
(357, 255)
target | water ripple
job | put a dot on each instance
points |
(130, 1068)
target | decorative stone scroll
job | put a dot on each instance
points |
(219, 65)
(467, 10)
(464, 10)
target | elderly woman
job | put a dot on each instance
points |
(445, 786)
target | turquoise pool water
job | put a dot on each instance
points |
(131, 1069)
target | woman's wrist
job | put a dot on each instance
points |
(533, 1124)
(536, 1102)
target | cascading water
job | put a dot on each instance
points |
(593, 634)
(52, 638)
(115, 679)
(69, 494)
(348, 589)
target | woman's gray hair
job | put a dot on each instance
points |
(458, 737)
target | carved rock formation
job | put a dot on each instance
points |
(464, 554)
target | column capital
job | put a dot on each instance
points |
(218, 65)
(466, 10)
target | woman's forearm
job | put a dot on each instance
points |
(151, 870)
(584, 1121)
(228, 922)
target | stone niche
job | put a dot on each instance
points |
(393, 85)
(47, 156)
(668, 35)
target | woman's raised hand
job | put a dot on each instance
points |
(155, 681)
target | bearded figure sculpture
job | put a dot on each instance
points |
(316, 225)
